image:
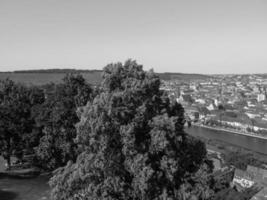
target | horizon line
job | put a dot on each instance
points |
(88, 70)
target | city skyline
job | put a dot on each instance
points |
(206, 37)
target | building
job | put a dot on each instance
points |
(242, 180)
(252, 175)
(261, 97)
(216, 158)
(259, 175)
(211, 107)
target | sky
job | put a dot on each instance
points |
(189, 36)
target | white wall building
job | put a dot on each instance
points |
(261, 97)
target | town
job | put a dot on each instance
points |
(235, 103)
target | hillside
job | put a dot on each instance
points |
(182, 76)
(40, 77)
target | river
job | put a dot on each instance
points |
(24, 189)
(248, 142)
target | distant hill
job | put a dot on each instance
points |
(182, 76)
(41, 77)
(58, 71)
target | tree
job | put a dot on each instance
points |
(56, 118)
(16, 122)
(133, 144)
(31, 139)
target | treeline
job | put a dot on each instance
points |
(65, 71)
(124, 140)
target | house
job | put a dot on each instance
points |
(252, 114)
(242, 180)
(185, 98)
(192, 112)
(211, 107)
(261, 97)
(250, 177)
(201, 101)
(216, 158)
(259, 175)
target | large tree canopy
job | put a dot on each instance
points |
(16, 122)
(133, 144)
(57, 117)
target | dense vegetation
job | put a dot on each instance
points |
(133, 145)
(56, 118)
(41, 120)
(124, 140)
(16, 121)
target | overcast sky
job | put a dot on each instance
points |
(200, 36)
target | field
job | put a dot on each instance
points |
(93, 77)
(43, 78)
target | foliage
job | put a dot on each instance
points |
(221, 107)
(241, 160)
(56, 118)
(32, 138)
(203, 110)
(232, 194)
(133, 145)
(16, 122)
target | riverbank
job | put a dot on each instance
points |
(230, 131)
(237, 150)
(21, 173)
(254, 144)
(18, 172)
